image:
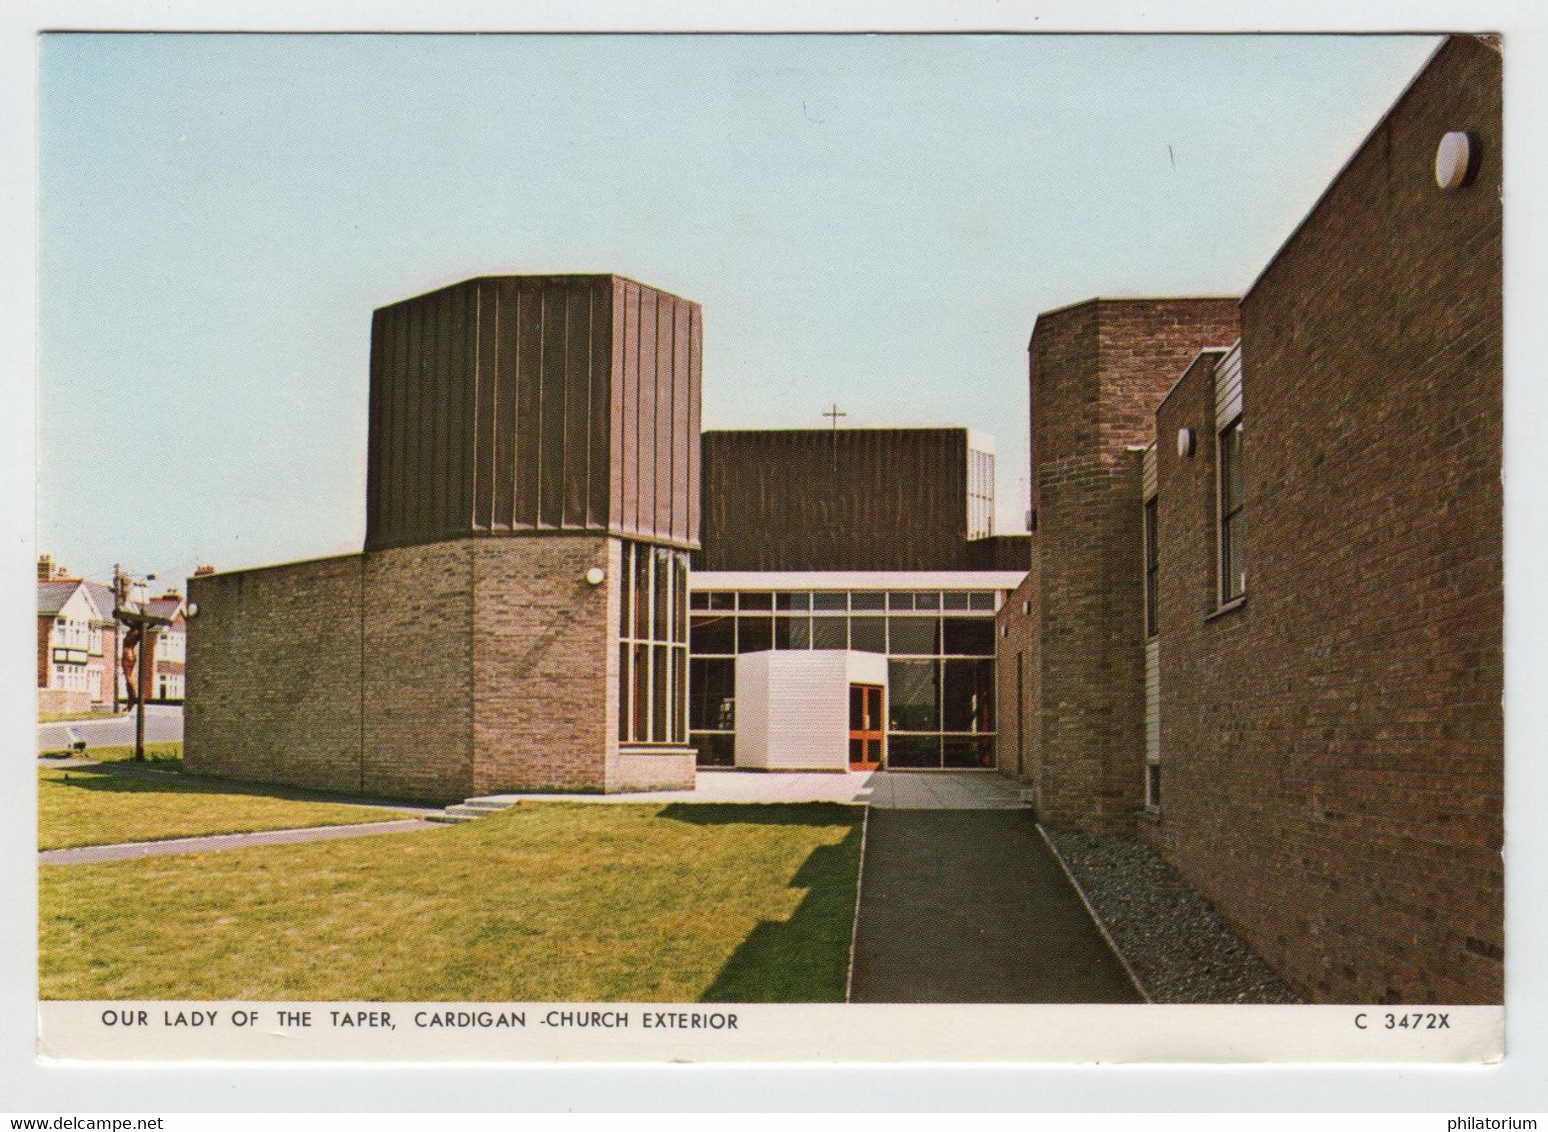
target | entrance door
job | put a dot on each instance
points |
(866, 726)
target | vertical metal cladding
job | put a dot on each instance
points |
(855, 499)
(534, 403)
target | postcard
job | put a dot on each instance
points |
(867, 548)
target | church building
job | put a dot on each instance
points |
(1258, 624)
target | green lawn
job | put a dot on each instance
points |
(82, 806)
(72, 716)
(547, 901)
(160, 754)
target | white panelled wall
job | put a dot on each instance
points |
(792, 707)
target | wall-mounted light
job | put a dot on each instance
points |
(1185, 443)
(191, 609)
(1456, 159)
(596, 575)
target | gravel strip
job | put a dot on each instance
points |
(1176, 943)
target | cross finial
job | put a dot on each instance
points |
(835, 413)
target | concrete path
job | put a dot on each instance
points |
(879, 789)
(963, 906)
(944, 790)
(94, 854)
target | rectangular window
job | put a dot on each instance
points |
(792, 632)
(868, 634)
(712, 706)
(968, 698)
(920, 752)
(968, 636)
(653, 643)
(714, 635)
(754, 634)
(1233, 522)
(1152, 567)
(914, 695)
(830, 632)
(915, 636)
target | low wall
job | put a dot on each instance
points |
(59, 701)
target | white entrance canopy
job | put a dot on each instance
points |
(792, 707)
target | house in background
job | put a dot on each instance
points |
(77, 642)
(164, 681)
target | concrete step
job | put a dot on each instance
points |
(474, 808)
(450, 818)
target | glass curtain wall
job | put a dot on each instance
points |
(939, 645)
(653, 646)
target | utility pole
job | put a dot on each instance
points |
(120, 597)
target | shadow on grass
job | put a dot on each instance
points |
(99, 780)
(820, 814)
(139, 778)
(806, 957)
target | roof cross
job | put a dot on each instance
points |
(834, 414)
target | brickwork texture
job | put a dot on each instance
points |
(1098, 370)
(1333, 748)
(431, 672)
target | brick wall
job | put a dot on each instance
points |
(541, 646)
(45, 634)
(431, 672)
(273, 690)
(1098, 370)
(417, 661)
(1013, 717)
(1333, 749)
(105, 666)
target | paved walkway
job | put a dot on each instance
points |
(128, 851)
(909, 790)
(960, 906)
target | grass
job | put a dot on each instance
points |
(548, 901)
(168, 754)
(74, 716)
(82, 806)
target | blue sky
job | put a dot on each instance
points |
(874, 220)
